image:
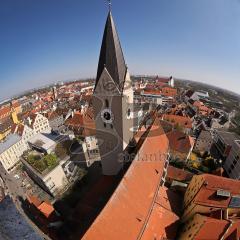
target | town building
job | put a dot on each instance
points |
(91, 150)
(55, 120)
(7, 124)
(42, 143)
(232, 162)
(179, 175)
(210, 194)
(179, 122)
(11, 150)
(23, 131)
(38, 123)
(203, 142)
(224, 141)
(181, 145)
(204, 227)
(52, 180)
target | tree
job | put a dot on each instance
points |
(50, 160)
(40, 165)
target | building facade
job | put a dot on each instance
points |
(112, 101)
(11, 150)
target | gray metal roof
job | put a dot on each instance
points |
(13, 226)
(111, 55)
(9, 141)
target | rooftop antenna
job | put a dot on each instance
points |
(109, 5)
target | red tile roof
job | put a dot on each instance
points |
(212, 229)
(179, 141)
(46, 209)
(5, 111)
(34, 200)
(169, 92)
(89, 123)
(76, 120)
(207, 193)
(179, 174)
(132, 207)
(175, 119)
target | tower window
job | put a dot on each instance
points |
(105, 125)
(129, 112)
(106, 103)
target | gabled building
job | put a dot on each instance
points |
(185, 123)
(210, 194)
(181, 145)
(38, 123)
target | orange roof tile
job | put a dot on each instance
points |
(212, 229)
(132, 206)
(179, 141)
(207, 193)
(46, 209)
(175, 119)
(34, 200)
(179, 174)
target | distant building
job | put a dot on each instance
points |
(199, 95)
(54, 93)
(7, 124)
(161, 81)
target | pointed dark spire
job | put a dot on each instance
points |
(111, 55)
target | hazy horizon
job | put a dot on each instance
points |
(43, 42)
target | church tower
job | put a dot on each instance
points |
(112, 101)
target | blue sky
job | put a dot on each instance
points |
(43, 41)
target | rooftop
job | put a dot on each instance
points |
(207, 195)
(9, 141)
(42, 141)
(136, 196)
(13, 225)
(229, 138)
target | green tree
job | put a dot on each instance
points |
(40, 165)
(50, 160)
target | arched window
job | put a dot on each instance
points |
(129, 112)
(106, 103)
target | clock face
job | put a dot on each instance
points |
(107, 116)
